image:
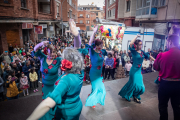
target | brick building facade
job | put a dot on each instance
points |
(85, 20)
(18, 18)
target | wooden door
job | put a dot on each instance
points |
(13, 37)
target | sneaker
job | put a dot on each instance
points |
(40, 82)
(36, 90)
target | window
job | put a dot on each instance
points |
(113, 12)
(162, 2)
(92, 8)
(5, 1)
(110, 2)
(146, 3)
(87, 21)
(139, 4)
(110, 13)
(97, 14)
(57, 9)
(70, 2)
(87, 28)
(81, 21)
(128, 6)
(88, 9)
(23, 3)
(154, 2)
(87, 16)
(81, 15)
(44, 7)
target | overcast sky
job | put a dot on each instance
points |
(99, 3)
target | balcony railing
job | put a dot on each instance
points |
(146, 9)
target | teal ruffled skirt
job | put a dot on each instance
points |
(135, 86)
(98, 93)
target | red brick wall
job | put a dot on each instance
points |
(85, 19)
(65, 9)
(128, 22)
(15, 10)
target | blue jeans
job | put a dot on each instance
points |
(12, 98)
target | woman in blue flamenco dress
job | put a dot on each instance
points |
(135, 86)
(50, 65)
(64, 99)
(98, 89)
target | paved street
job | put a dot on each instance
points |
(115, 107)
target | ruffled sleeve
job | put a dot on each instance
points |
(39, 54)
(146, 55)
(83, 51)
(90, 46)
(59, 91)
(104, 52)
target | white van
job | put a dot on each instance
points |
(147, 36)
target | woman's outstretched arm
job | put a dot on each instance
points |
(42, 109)
(92, 36)
(132, 41)
(36, 48)
(75, 32)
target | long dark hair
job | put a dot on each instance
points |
(98, 42)
(137, 42)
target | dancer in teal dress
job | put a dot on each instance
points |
(135, 86)
(64, 99)
(98, 90)
(49, 68)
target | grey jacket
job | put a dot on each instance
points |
(1, 85)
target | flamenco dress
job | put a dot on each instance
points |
(49, 77)
(135, 86)
(66, 95)
(98, 89)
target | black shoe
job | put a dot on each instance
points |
(137, 100)
(113, 78)
(108, 78)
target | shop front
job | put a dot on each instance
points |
(27, 30)
(42, 31)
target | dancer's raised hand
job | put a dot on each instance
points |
(73, 28)
(95, 29)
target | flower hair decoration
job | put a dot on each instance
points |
(66, 64)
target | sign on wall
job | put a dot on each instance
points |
(39, 29)
(43, 25)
